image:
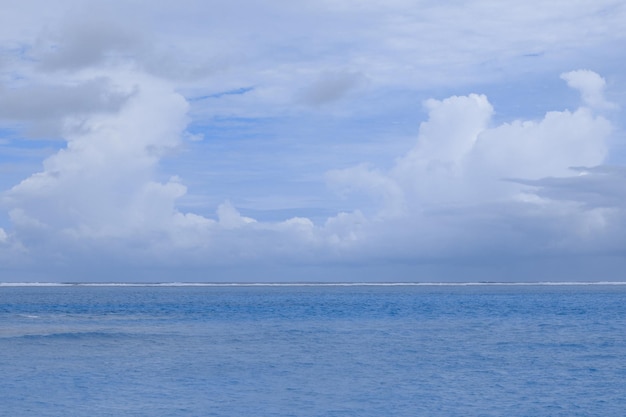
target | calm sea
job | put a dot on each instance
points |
(428, 350)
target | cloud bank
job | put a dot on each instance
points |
(467, 189)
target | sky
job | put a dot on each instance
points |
(326, 140)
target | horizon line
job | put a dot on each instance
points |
(308, 284)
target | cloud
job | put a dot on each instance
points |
(596, 200)
(596, 187)
(91, 40)
(98, 198)
(317, 52)
(452, 192)
(385, 190)
(230, 218)
(44, 108)
(467, 187)
(533, 149)
(460, 157)
(591, 86)
(434, 169)
(331, 86)
(102, 183)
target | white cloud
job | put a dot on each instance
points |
(434, 170)
(453, 190)
(549, 147)
(387, 192)
(277, 46)
(460, 157)
(230, 218)
(591, 86)
(102, 183)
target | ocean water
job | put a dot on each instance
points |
(361, 350)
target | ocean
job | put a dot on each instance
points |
(313, 350)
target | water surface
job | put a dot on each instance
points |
(481, 350)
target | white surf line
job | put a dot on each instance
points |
(307, 284)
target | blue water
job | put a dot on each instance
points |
(313, 351)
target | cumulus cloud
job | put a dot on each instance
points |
(230, 218)
(385, 190)
(434, 169)
(101, 183)
(99, 194)
(455, 188)
(460, 157)
(591, 86)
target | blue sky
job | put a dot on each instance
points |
(312, 141)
